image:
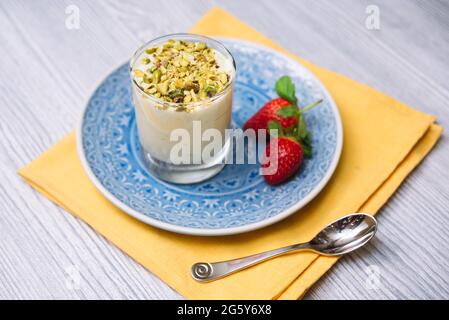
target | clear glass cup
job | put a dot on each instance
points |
(157, 120)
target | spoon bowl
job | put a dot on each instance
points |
(344, 235)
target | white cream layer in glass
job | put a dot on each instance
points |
(155, 124)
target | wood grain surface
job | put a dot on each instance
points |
(47, 72)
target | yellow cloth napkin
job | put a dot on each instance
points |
(383, 141)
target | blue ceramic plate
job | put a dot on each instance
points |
(237, 199)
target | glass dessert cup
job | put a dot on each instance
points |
(166, 128)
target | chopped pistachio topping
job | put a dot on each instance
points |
(181, 72)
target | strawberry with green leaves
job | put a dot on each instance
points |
(269, 111)
(284, 115)
(292, 138)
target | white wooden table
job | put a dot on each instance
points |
(47, 71)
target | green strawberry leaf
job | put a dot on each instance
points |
(288, 111)
(302, 128)
(308, 139)
(304, 136)
(306, 149)
(286, 89)
(306, 144)
(275, 125)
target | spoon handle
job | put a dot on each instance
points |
(204, 271)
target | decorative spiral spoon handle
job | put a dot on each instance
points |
(201, 271)
(204, 271)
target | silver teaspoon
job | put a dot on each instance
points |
(339, 237)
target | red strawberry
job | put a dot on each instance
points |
(267, 113)
(288, 160)
(285, 122)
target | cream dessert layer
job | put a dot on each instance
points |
(179, 82)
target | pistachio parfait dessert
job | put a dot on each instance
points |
(179, 80)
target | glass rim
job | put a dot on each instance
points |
(205, 39)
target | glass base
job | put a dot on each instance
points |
(185, 174)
